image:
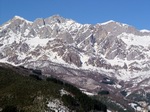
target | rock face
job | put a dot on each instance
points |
(81, 52)
(72, 58)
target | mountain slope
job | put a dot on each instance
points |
(83, 54)
(23, 90)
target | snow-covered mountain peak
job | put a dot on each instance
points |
(145, 31)
(112, 22)
(15, 21)
(62, 20)
(15, 18)
(107, 22)
(18, 17)
(55, 19)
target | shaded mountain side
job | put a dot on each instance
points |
(22, 90)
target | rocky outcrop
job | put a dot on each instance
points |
(24, 48)
(72, 58)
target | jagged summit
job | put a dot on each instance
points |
(108, 22)
(59, 19)
(56, 18)
(20, 18)
(112, 22)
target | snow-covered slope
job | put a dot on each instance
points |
(83, 54)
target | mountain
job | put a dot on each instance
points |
(108, 56)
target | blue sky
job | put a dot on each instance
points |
(132, 12)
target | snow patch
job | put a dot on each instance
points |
(105, 23)
(87, 93)
(131, 39)
(64, 92)
(26, 32)
(33, 42)
(135, 107)
(56, 106)
(145, 31)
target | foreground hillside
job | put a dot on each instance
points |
(22, 90)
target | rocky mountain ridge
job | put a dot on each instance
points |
(83, 54)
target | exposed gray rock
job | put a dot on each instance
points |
(66, 37)
(72, 58)
(38, 23)
(3, 33)
(24, 48)
(45, 32)
(14, 59)
(135, 53)
(1, 56)
(117, 49)
(54, 19)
